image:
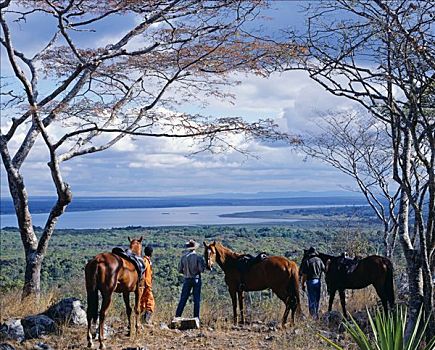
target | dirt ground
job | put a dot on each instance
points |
(246, 337)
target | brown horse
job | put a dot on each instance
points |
(372, 270)
(110, 273)
(275, 272)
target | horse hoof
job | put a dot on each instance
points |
(102, 346)
(90, 345)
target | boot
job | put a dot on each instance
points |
(148, 315)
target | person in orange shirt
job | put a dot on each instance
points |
(147, 300)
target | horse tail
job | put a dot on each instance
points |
(91, 273)
(293, 288)
(389, 284)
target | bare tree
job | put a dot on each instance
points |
(380, 54)
(358, 145)
(81, 98)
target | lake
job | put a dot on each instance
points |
(151, 217)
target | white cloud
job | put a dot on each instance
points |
(166, 166)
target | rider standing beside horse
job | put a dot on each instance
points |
(147, 303)
(312, 270)
(343, 273)
(191, 266)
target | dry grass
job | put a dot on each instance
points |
(217, 331)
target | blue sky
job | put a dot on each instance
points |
(164, 167)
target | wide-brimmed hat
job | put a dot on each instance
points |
(191, 245)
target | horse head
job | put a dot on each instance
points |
(210, 254)
(136, 245)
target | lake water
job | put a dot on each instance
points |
(151, 217)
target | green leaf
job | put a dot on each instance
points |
(330, 342)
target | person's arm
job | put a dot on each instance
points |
(303, 280)
(180, 266)
(303, 271)
(201, 264)
(322, 266)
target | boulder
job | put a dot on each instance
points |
(183, 323)
(37, 325)
(12, 329)
(69, 311)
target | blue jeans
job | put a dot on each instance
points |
(313, 289)
(188, 284)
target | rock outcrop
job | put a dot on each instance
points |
(12, 329)
(37, 326)
(68, 311)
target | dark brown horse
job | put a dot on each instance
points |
(109, 273)
(275, 272)
(342, 274)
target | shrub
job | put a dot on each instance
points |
(388, 332)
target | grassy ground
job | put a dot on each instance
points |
(262, 330)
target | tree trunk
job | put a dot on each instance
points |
(415, 280)
(32, 276)
(428, 301)
(413, 262)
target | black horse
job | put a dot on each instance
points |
(343, 273)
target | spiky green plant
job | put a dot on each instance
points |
(388, 332)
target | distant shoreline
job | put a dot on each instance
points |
(205, 215)
(42, 205)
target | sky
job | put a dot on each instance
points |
(166, 167)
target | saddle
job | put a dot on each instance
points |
(347, 265)
(246, 261)
(136, 260)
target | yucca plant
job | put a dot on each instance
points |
(388, 332)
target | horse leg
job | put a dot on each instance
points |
(331, 299)
(137, 294)
(92, 299)
(286, 312)
(342, 294)
(242, 316)
(91, 315)
(234, 302)
(383, 296)
(126, 297)
(107, 299)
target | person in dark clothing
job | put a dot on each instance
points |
(312, 269)
(191, 266)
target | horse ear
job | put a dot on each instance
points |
(129, 239)
(140, 239)
(214, 243)
(205, 244)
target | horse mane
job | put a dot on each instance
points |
(325, 257)
(227, 252)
